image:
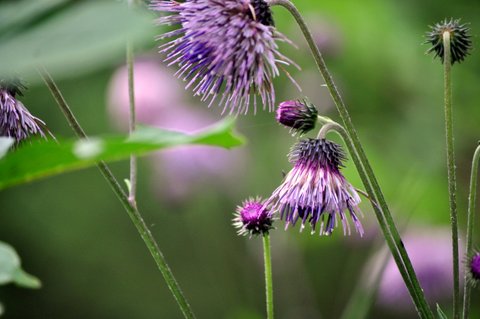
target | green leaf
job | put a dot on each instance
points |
(5, 144)
(46, 158)
(79, 38)
(1, 309)
(440, 313)
(10, 270)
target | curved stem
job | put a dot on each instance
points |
(328, 126)
(267, 259)
(384, 216)
(447, 63)
(132, 210)
(470, 226)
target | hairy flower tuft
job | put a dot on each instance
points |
(315, 191)
(15, 120)
(460, 39)
(228, 45)
(300, 116)
(474, 268)
(252, 218)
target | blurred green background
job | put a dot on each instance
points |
(73, 234)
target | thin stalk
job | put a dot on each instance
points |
(132, 191)
(132, 210)
(384, 217)
(470, 226)
(267, 259)
(452, 184)
(131, 124)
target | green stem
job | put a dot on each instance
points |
(340, 130)
(132, 191)
(132, 210)
(470, 226)
(451, 171)
(267, 259)
(384, 216)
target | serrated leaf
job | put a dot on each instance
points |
(81, 37)
(46, 158)
(11, 271)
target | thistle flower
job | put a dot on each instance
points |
(315, 190)
(15, 120)
(252, 218)
(474, 268)
(300, 116)
(460, 39)
(229, 45)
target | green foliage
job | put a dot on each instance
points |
(11, 271)
(67, 37)
(45, 158)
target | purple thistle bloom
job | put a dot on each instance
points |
(300, 116)
(315, 189)
(15, 120)
(252, 218)
(474, 265)
(224, 44)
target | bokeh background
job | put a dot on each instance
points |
(73, 234)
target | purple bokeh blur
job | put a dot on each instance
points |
(430, 251)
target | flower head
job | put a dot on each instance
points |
(15, 120)
(474, 268)
(315, 190)
(252, 218)
(301, 116)
(229, 45)
(460, 39)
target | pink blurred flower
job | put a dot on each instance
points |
(180, 170)
(430, 251)
(156, 90)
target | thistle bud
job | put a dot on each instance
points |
(460, 39)
(252, 218)
(300, 116)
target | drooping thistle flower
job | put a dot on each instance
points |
(228, 45)
(315, 191)
(460, 39)
(252, 218)
(300, 116)
(474, 269)
(15, 120)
